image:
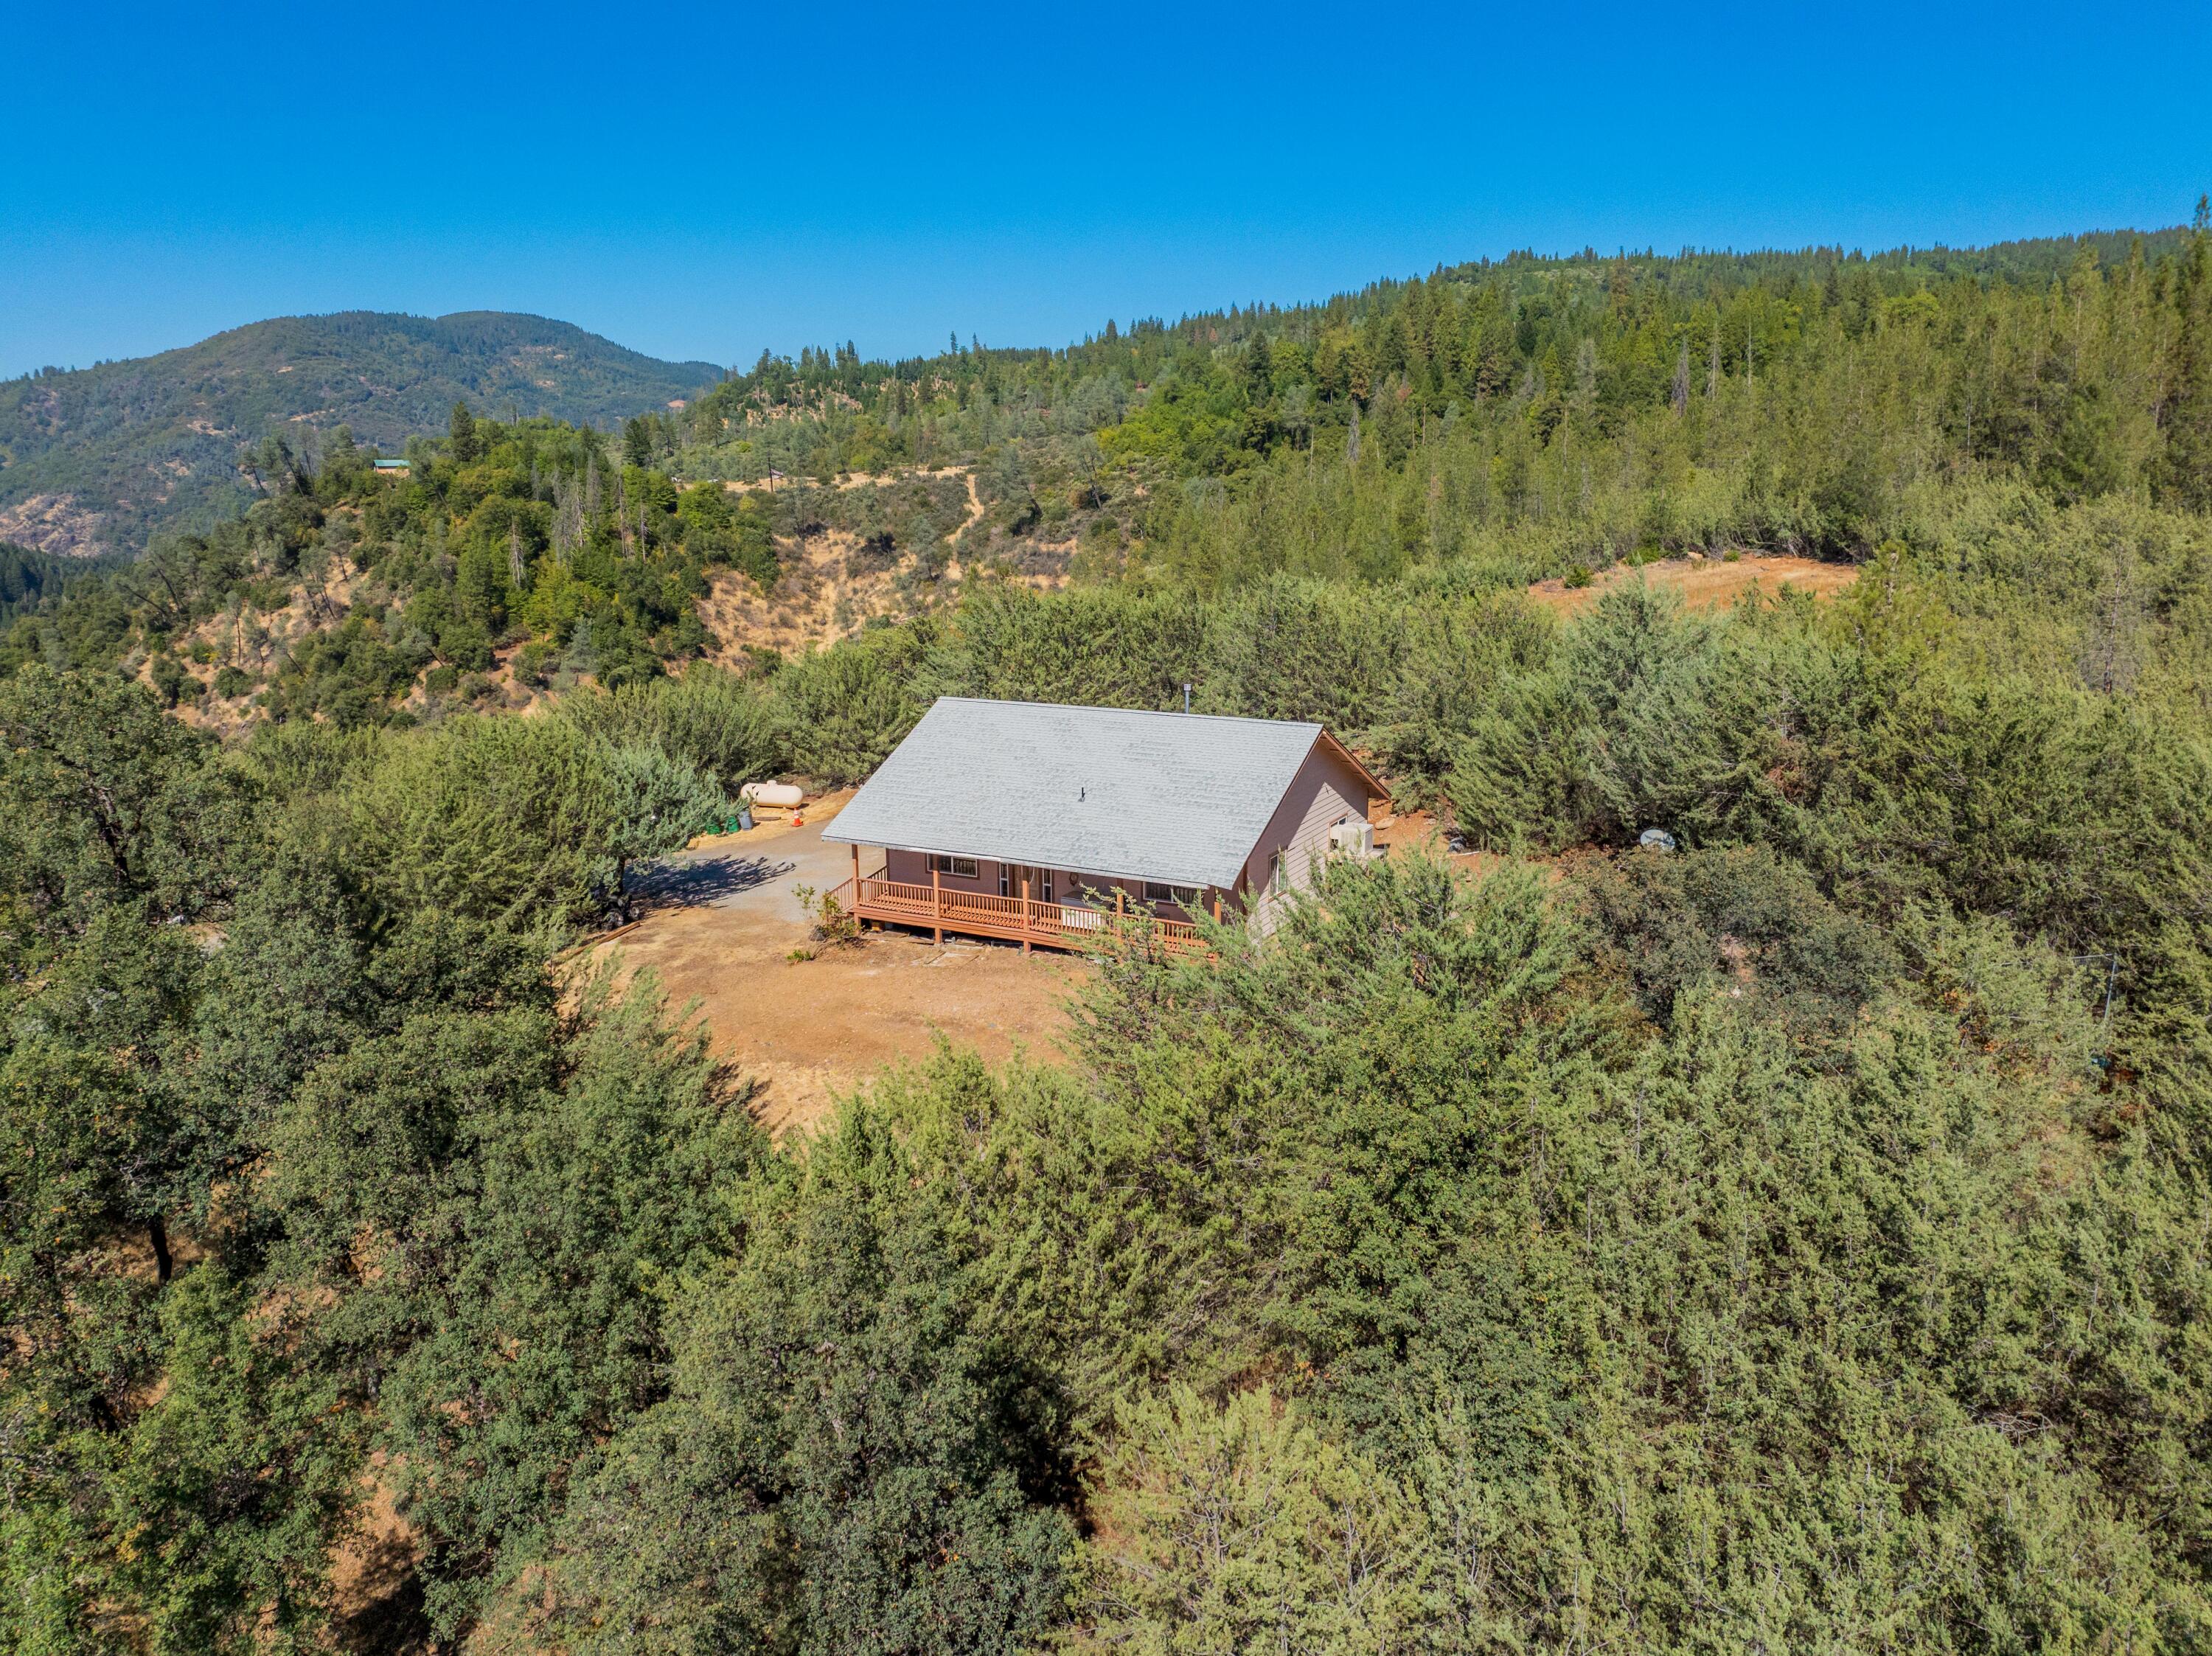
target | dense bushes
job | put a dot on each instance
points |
(851, 1457)
(1791, 1240)
(1625, 1317)
(513, 819)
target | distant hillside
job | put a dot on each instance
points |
(96, 459)
(28, 578)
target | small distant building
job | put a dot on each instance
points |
(1046, 824)
(390, 468)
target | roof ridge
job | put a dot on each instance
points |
(1096, 790)
(1149, 712)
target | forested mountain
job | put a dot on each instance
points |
(1794, 1240)
(1486, 424)
(1598, 406)
(101, 457)
(29, 580)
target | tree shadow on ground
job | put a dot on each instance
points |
(706, 880)
(394, 1623)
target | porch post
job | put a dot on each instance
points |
(1025, 911)
(936, 901)
(1217, 904)
(858, 923)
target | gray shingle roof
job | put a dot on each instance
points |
(1178, 797)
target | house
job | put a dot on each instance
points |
(390, 468)
(1052, 825)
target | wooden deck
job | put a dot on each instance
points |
(1015, 920)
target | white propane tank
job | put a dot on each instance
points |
(784, 794)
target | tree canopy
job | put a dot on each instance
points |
(1541, 1239)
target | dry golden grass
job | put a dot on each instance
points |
(1709, 583)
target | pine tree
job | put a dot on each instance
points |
(1259, 364)
(2187, 470)
(463, 428)
(1680, 396)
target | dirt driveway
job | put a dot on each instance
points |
(724, 921)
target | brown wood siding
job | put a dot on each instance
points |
(1100, 892)
(912, 867)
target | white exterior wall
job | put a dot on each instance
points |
(1325, 791)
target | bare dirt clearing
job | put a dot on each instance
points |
(723, 923)
(54, 523)
(833, 583)
(1710, 584)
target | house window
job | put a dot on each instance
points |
(1183, 896)
(1279, 876)
(960, 868)
(1011, 876)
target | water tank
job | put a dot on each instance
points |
(785, 794)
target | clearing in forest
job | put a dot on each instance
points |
(723, 920)
(1708, 583)
(836, 581)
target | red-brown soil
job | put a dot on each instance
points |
(1709, 583)
(806, 1032)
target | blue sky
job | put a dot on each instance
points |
(705, 181)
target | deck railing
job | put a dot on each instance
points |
(1027, 921)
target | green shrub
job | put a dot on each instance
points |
(467, 644)
(520, 822)
(534, 661)
(168, 674)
